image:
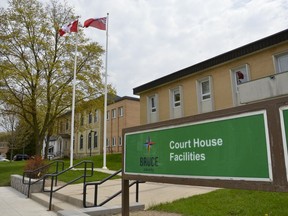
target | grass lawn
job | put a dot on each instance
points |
(114, 162)
(226, 202)
(223, 202)
(9, 168)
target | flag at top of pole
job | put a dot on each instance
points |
(102, 24)
(99, 23)
(70, 27)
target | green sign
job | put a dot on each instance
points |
(284, 126)
(228, 148)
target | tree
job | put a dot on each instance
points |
(36, 64)
(8, 123)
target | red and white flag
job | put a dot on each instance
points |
(99, 23)
(70, 27)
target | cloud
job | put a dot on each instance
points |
(149, 39)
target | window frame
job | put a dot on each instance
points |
(114, 141)
(113, 113)
(176, 92)
(81, 142)
(121, 111)
(119, 141)
(203, 96)
(95, 141)
(67, 125)
(90, 117)
(96, 116)
(235, 83)
(81, 120)
(152, 107)
(152, 104)
(276, 62)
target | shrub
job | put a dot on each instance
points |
(34, 164)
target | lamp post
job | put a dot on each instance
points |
(90, 143)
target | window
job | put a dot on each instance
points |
(81, 120)
(204, 95)
(113, 113)
(205, 89)
(90, 118)
(239, 75)
(175, 102)
(67, 124)
(89, 140)
(152, 101)
(120, 141)
(113, 141)
(61, 127)
(108, 115)
(107, 142)
(120, 111)
(95, 139)
(152, 108)
(176, 97)
(281, 62)
(96, 116)
(81, 141)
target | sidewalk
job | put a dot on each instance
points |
(150, 193)
(14, 203)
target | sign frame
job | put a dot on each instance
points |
(277, 143)
(236, 117)
(284, 136)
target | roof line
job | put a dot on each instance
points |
(235, 53)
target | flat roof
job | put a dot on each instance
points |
(222, 58)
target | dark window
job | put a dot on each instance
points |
(81, 141)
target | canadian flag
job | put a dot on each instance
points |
(70, 27)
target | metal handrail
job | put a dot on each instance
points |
(96, 184)
(30, 173)
(55, 175)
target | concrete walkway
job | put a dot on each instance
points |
(150, 193)
(14, 203)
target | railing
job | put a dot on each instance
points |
(30, 174)
(96, 184)
(52, 176)
(264, 88)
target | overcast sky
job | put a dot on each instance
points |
(149, 39)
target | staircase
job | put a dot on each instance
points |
(66, 198)
(69, 200)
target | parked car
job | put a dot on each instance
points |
(19, 157)
(3, 159)
(50, 156)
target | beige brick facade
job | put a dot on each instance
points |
(258, 63)
(122, 112)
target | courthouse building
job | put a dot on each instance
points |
(254, 72)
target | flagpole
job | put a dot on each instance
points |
(73, 104)
(105, 99)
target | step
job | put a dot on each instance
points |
(100, 211)
(57, 204)
(66, 209)
(76, 201)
